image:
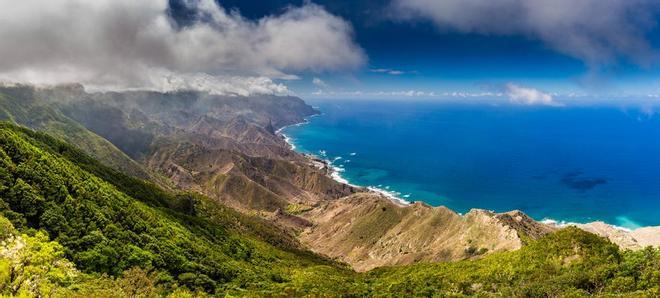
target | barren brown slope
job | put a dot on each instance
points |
(367, 231)
(245, 182)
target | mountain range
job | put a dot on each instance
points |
(187, 193)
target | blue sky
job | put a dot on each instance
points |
(430, 57)
(528, 51)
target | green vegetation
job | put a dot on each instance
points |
(185, 239)
(71, 226)
(26, 106)
(570, 262)
(296, 209)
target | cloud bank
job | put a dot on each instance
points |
(128, 44)
(596, 31)
(529, 96)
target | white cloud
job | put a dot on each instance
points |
(596, 31)
(393, 72)
(529, 96)
(319, 83)
(124, 44)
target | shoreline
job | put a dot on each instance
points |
(286, 138)
(334, 172)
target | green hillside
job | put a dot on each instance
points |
(71, 226)
(184, 238)
(26, 106)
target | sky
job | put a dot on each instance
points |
(528, 51)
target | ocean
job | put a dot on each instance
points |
(569, 164)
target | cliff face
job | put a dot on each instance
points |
(225, 148)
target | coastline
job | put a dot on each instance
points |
(286, 138)
(334, 172)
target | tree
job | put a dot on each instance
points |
(24, 199)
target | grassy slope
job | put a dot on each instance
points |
(147, 239)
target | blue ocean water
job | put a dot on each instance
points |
(573, 164)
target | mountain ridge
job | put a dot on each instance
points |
(222, 147)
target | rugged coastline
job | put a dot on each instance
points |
(227, 149)
(326, 165)
(625, 238)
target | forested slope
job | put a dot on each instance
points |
(185, 238)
